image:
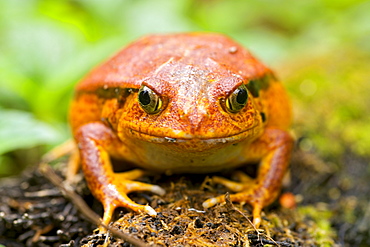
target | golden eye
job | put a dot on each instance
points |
(149, 100)
(237, 99)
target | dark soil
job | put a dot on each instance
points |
(333, 209)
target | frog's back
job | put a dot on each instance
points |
(143, 58)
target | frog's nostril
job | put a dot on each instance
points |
(196, 120)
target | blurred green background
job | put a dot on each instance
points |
(320, 49)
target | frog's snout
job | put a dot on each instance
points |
(195, 120)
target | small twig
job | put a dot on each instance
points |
(257, 239)
(39, 231)
(230, 205)
(91, 216)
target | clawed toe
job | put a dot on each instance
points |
(116, 195)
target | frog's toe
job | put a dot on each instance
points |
(132, 186)
(257, 216)
(127, 186)
(243, 178)
(212, 201)
(220, 199)
(116, 195)
(110, 207)
(149, 210)
(157, 190)
(125, 179)
(232, 185)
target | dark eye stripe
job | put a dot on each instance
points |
(263, 116)
(256, 85)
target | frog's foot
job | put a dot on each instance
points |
(115, 195)
(248, 192)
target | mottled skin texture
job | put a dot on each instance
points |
(193, 74)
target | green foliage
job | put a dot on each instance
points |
(19, 129)
(321, 230)
(331, 105)
(47, 46)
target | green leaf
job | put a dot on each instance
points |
(19, 129)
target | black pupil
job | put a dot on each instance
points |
(242, 96)
(144, 97)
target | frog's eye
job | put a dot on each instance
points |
(149, 100)
(237, 99)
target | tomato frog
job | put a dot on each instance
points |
(181, 103)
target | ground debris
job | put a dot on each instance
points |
(34, 213)
(181, 221)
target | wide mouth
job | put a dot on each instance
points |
(185, 138)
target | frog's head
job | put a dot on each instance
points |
(187, 87)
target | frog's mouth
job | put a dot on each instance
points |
(182, 138)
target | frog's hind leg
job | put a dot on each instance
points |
(74, 164)
(67, 148)
(59, 151)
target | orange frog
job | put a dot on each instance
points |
(182, 103)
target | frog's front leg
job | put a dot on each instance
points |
(275, 147)
(97, 143)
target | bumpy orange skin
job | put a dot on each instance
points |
(193, 74)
